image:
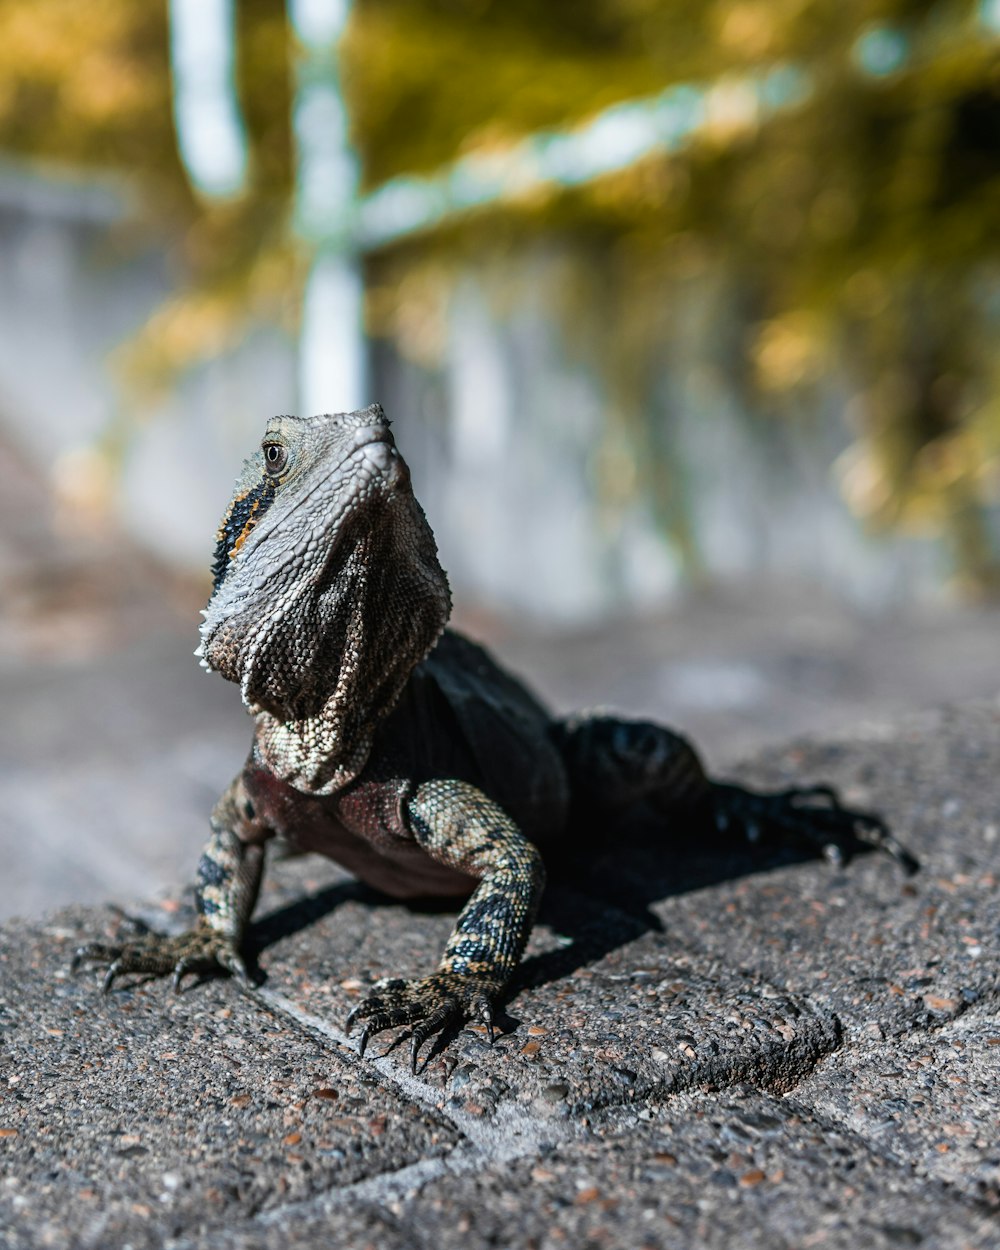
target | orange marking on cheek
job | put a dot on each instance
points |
(245, 531)
(243, 514)
(241, 540)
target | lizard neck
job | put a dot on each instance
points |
(325, 675)
(309, 754)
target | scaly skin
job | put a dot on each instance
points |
(402, 750)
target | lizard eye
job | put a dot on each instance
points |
(275, 457)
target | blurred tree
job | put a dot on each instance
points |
(859, 227)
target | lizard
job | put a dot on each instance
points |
(399, 748)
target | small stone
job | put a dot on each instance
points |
(753, 1177)
(935, 1003)
(901, 1236)
(555, 1092)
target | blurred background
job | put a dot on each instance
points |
(687, 318)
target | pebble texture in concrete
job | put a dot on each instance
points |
(705, 1048)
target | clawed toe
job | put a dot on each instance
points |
(200, 950)
(96, 952)
(427, 1006)
(810, 817)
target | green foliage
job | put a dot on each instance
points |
(858, 229)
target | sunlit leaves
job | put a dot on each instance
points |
(857, 228)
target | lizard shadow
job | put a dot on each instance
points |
(303, 913)
(600, 897)
(605, 899)
(598, 900)
(602, 892)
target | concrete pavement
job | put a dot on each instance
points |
(705, 1049)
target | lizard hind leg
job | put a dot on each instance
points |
(808, 818)
(616, 763)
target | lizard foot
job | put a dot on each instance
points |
(200, 950)
(811, 818)
(429, 1005)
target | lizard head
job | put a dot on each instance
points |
(327, 590)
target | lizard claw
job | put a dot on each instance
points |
(833, 855)
(90, 951)
(811, 818)
(109, 976)
(428, 1006)
(201, 949)
(182, 967)
(234, 963)
(484, 1011)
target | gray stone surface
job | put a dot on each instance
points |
(114, 744)
(705, 1049)
(127, 1119)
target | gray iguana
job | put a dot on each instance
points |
(399, 748)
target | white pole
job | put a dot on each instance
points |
(210, 132)
(332, 358)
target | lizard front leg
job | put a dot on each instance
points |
(458, 825)
(229, 875)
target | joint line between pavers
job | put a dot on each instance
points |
(405, 1181)
(376, 1189)
(514, 1135)
(512, 1127)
